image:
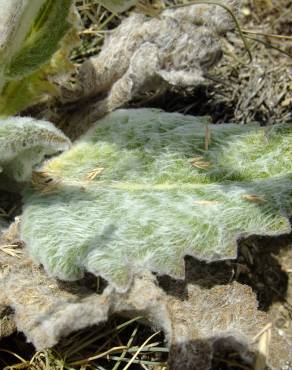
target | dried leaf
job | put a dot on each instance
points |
(196, 324)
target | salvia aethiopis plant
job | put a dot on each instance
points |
(143, 189)
(24, 142)
(30, 34)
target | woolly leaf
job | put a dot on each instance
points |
(117, 6)
(141, 190)
(24, 142)
(16, 20)
(18, 94)
(196, 322)
(31, 34)
(49, 27)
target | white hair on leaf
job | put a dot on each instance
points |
(159, 196)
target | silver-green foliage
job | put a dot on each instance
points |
(141, 190)
(34, 30)
(24, 142)
(30, 34)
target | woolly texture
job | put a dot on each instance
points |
(46, 30)
(144, 57)
(15, 22)
(24, 142)
(30, 34)
(195, 325)
(140, 191)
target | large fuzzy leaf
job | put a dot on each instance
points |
(31, 34)
(24, 142)
(141, 190)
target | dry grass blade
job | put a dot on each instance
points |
(199, 162)
(94, 173)
(11, 250)
(206, 202)
(140, 349)
(81, 343)
(23, 361)
(270, 46)
(141, 362)
(44, 183)
(285, 37)
(95, 20)
(18, 366)
(128, 346)
(150, 348)
(253, 198)
(264, 340)
(264, 329)
(100, 355)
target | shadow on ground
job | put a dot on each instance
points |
(257, 265)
